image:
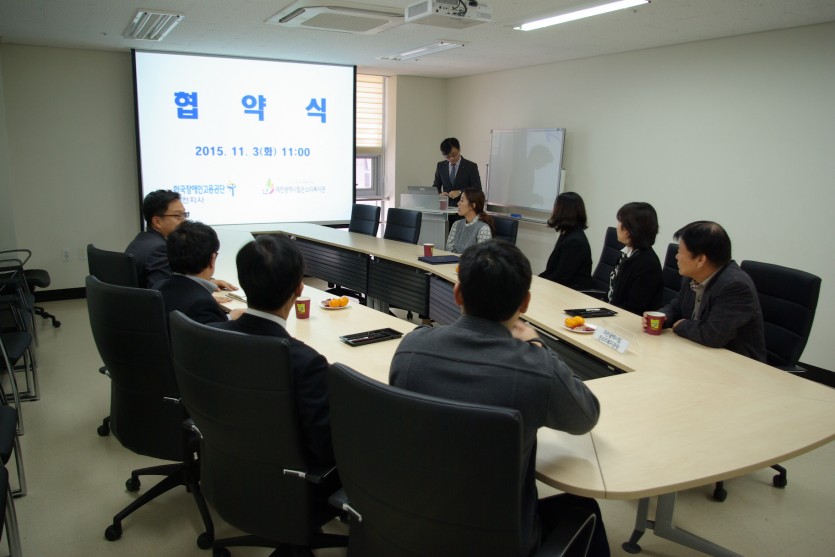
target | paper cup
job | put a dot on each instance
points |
(428, 250)
(302, 307)
(655, 322)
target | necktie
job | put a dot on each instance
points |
(452, 174)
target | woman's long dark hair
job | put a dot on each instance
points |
(569, 213)
(476, 197)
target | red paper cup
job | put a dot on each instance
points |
(302, 308)
(655, 322)
(428, 250)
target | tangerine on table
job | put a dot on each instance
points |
(343, 301)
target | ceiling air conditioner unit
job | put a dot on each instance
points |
(342, 17)
(451, 14)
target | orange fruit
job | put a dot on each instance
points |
(578, 320)
(569, 322)
(343, 301)
(333, 303)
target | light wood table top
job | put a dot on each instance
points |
(688, 415)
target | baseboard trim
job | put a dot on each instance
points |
(60, 294)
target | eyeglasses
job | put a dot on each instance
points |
(453, 155)
(179, 216)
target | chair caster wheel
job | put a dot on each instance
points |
(113, 533)
(103, 430)
(779, 481)
(133, 484)
(720, 494)
(630, 547)
(204, 541)
(56, 324)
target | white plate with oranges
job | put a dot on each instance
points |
(577, 324)
(342, 302)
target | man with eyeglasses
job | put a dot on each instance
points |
(163, 211)
(455, 174)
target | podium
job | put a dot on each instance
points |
(434, 226)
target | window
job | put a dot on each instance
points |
(369, 135)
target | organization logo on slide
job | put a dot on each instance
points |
(269, 188)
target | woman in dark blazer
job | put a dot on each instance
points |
(636, 285)
(570, 262)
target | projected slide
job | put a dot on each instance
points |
(247, 141)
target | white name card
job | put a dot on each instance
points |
(610, 339)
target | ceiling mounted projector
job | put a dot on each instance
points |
(452, 14)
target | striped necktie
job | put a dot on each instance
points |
(452, 173)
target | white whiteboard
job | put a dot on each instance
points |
(524, 170)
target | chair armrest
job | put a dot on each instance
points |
(316, 475)
(574, 532)
(340, 500)
(599, 294)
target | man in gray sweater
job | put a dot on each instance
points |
(497, 359)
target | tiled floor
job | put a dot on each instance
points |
(76, 481)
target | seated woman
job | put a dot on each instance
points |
(636, 285)
(570, 262)
(475, 227)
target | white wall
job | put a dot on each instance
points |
(738, 130)
(7, 233)
(72, 152)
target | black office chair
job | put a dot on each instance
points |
(10, 444)
(789, 299)
(609, 258)
(365, 219)
(32, 279)
(428, 476)
(669, 274)
(403, 225)
(117, 268)
(131, 333)
(17, 351)
(239, 391)
(505, 229)
(112, 267)
(8, 516)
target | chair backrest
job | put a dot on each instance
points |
(403, 225)
(505, 229)
(365, 219)
(429, 476)
(609, 258)
(131, 334)
(788, 298)
(238, 389)
(112, 267)
(669, 274)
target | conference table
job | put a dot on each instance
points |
(680, 416)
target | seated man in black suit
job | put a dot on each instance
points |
(719, 306)
(163, 212)
(455, 174)
(270, 270)
(192, 253)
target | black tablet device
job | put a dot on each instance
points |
(591, 312)
(369, 337)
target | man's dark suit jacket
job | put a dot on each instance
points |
(570, 262)
(638, 285)
(310, 374)
(150, 254)
(466, 176)
(729, 315)
(184, 294)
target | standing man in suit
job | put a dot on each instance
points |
(271, 269)
(719, 306)
(192, 253)
(163, 212)
(455, 174)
